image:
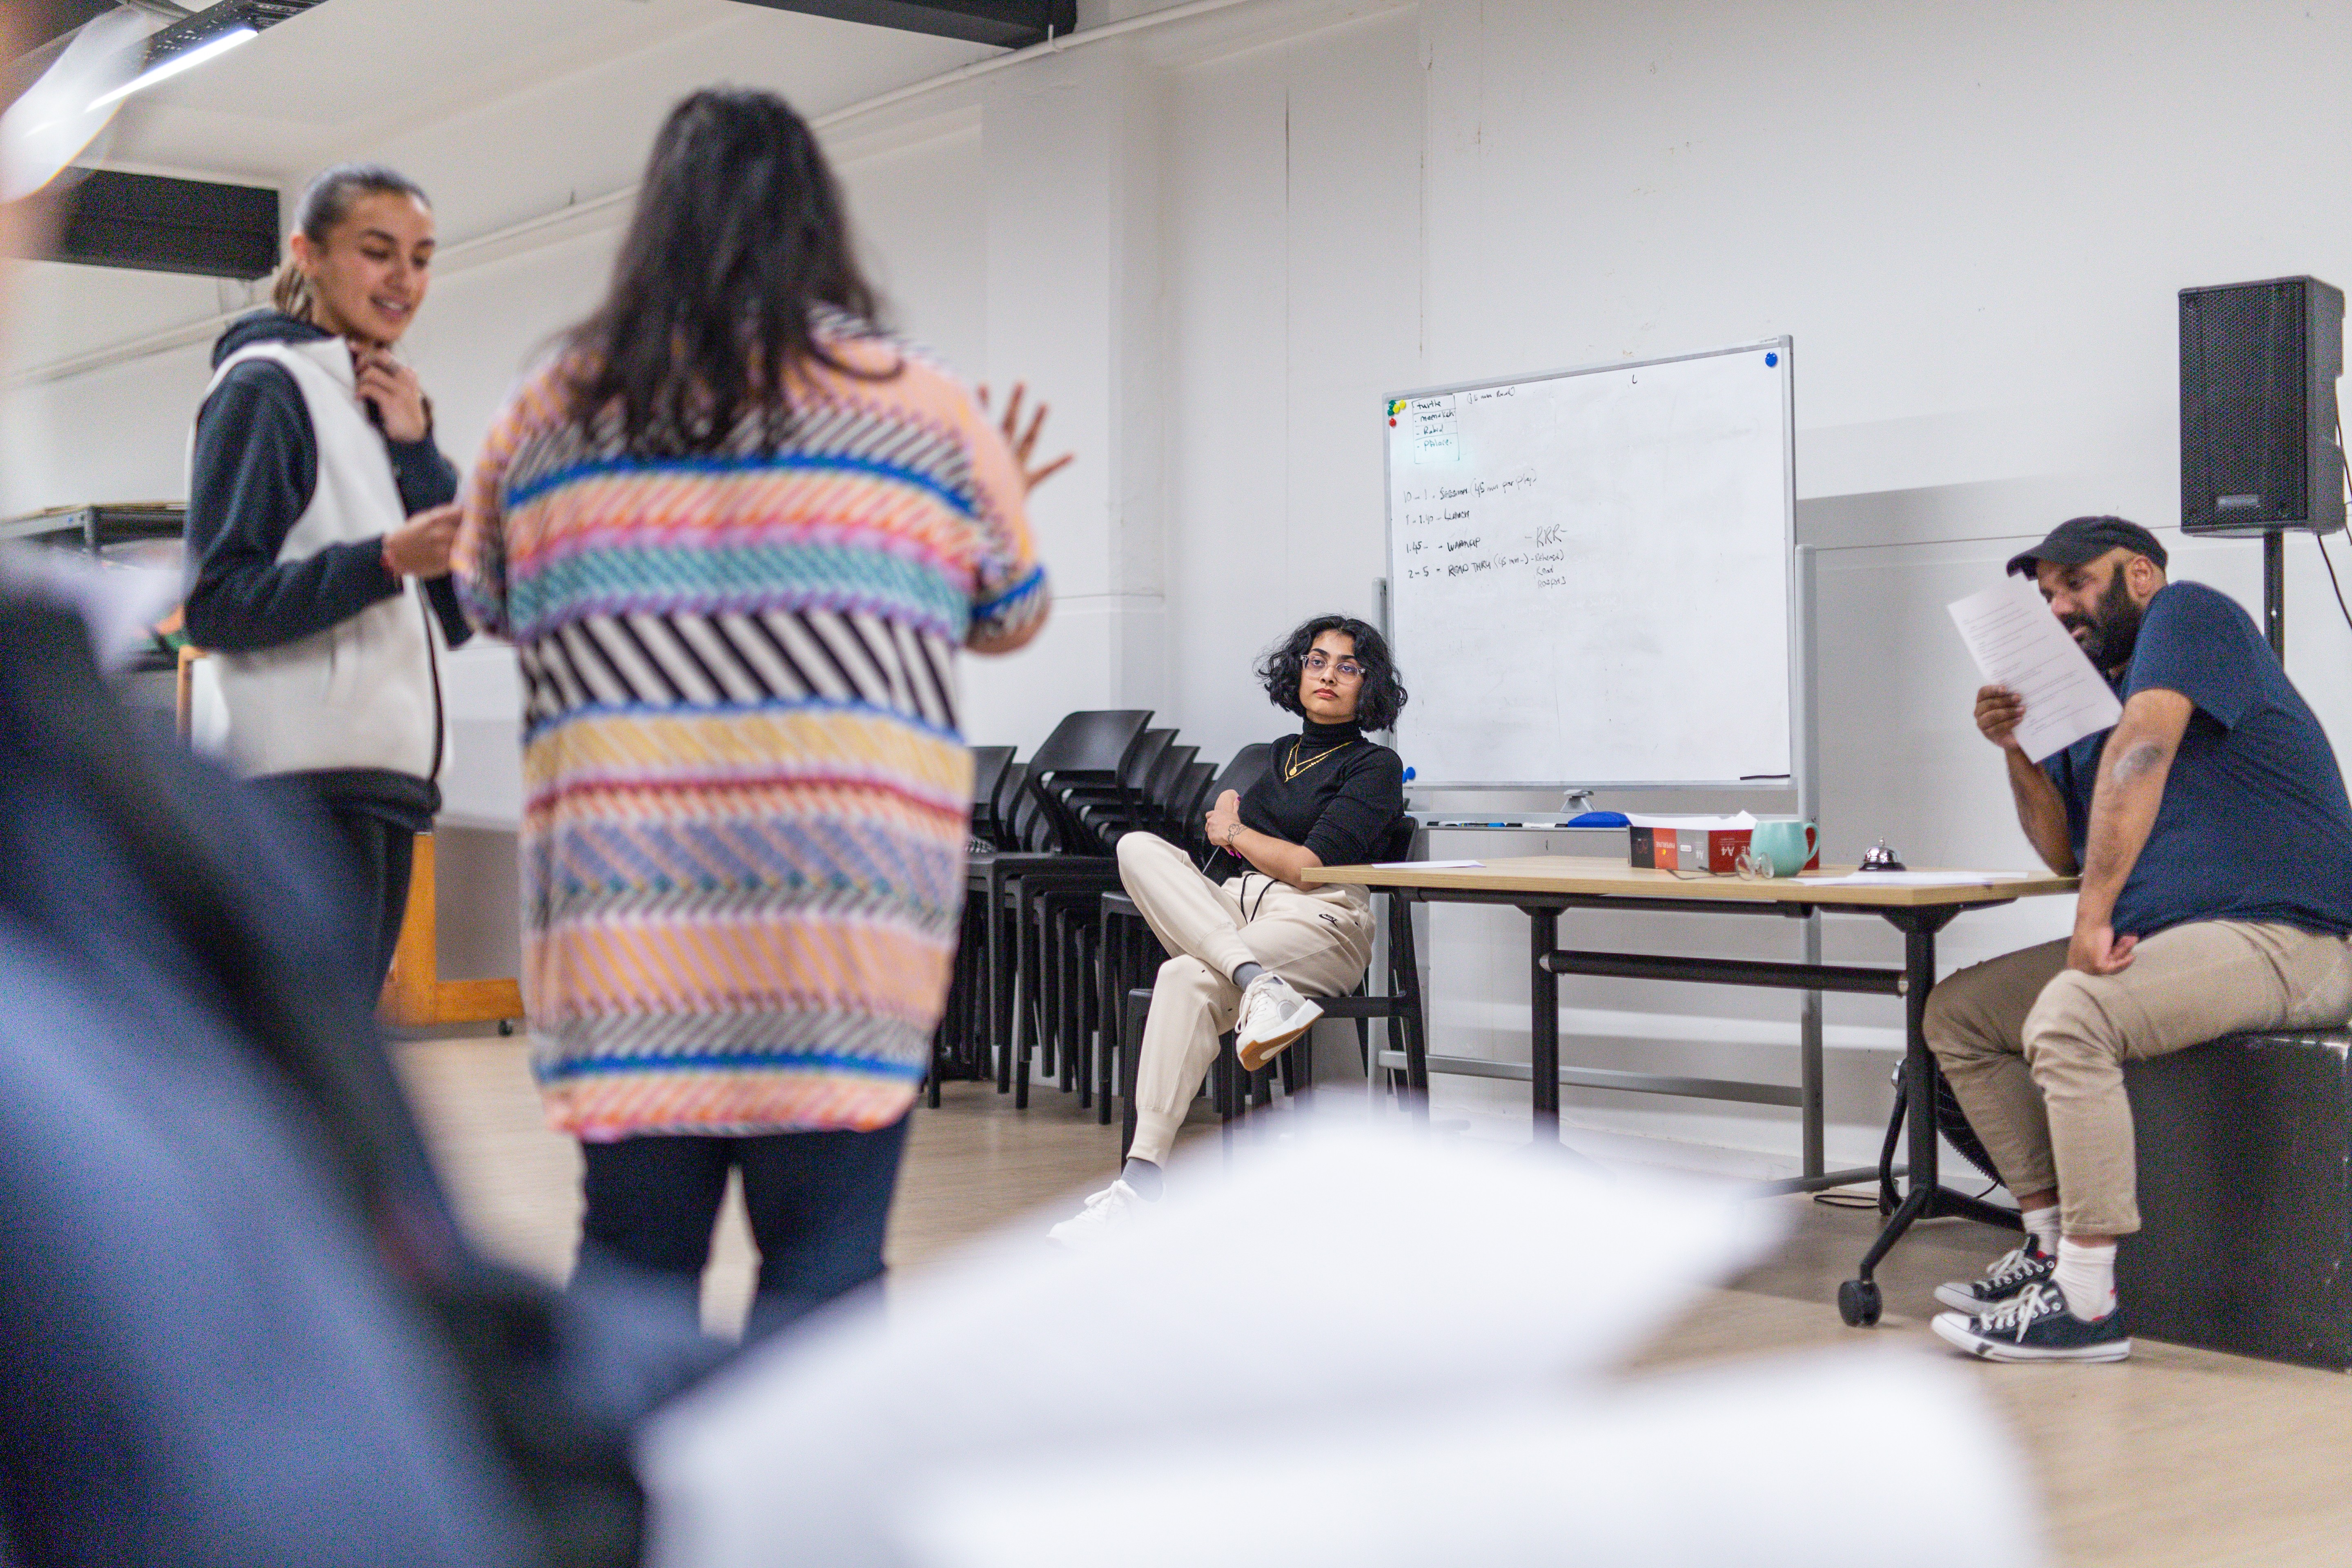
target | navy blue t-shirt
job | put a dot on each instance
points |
(2254, 824)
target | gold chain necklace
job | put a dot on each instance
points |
(1293, 768)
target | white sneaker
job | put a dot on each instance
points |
(1273, 1014)
(1107, 1210)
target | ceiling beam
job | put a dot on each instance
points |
(158, 225)
(1007, 24)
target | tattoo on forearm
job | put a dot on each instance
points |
(2138, 761)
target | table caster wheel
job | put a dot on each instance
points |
(1858, 1302)
(506, 1025)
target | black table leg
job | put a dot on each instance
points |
(1543, 1025)
(1859, 1302)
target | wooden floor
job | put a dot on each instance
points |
(2176, 1456)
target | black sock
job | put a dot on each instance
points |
(1143, 1176)
(1247, 973)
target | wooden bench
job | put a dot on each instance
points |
(2245, 1198)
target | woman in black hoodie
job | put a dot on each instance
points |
(318, 535)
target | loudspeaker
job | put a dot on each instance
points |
(2258, 436)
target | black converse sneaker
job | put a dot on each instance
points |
(2012, 1271)
(2034, 1325)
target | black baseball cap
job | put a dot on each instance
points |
(2079, 539)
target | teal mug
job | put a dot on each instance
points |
(1785, 847)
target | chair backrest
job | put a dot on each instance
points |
(1160, 790)
(988, 765)
(1251, 763)
(1093, 742)
(1142, 759)
(1004, 830)
(1192, 798)
(1397, 846)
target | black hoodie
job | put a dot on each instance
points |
(252, 476)
(254, 469)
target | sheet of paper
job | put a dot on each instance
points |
(1917, 879)
(2018, 643)
(1427, 865)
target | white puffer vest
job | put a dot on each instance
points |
(365, 693)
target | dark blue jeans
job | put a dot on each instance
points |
(818, 1204)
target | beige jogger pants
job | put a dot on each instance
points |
(1318, 940)
(2035, 1050)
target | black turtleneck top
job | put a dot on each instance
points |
(1330, 791)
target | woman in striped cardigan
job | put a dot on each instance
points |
(737, 534)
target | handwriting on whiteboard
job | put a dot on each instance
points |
(1480, 527)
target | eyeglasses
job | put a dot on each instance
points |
(1318, 661)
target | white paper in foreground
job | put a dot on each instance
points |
(1707, 1469)
(1339, 1281)
(2018, 643)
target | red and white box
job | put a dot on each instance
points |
(1692, 846)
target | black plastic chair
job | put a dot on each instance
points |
(1081, 762)
(1053, 848)
(987, 767)
(1163, 789)
(1109, 813)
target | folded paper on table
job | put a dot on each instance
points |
(1917, 878)
(2018, 643)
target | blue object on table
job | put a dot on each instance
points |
(1599, 819)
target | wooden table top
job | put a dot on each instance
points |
(1590, 876)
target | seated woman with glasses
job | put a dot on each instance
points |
(1253, 950)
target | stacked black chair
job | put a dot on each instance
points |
(960, 1044)
(989, 766)
(1081, 763)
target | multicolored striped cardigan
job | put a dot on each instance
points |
(745, 789)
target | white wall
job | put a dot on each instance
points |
(1215, 246)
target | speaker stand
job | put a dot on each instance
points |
(2275, 591)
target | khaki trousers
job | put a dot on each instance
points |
(2035, 1050)
(1319, 940)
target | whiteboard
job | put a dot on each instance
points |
(1591, 573)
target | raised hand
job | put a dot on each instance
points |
(2000, 711)
(1025, 442)
(391, 389)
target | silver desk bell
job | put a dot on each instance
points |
(1879, 856)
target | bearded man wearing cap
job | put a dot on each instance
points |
(2213, 838)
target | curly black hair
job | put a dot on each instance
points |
(1383, 697)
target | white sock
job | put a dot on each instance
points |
(2087, 1275)
(2042, 1225)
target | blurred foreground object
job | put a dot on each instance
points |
(241, 1325)
(1330, 1349)
(1696, 1470)
(58, 118)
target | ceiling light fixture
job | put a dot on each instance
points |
(179, 60)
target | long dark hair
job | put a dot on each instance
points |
(326, 202)
(1379, 701)
(739, 244)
